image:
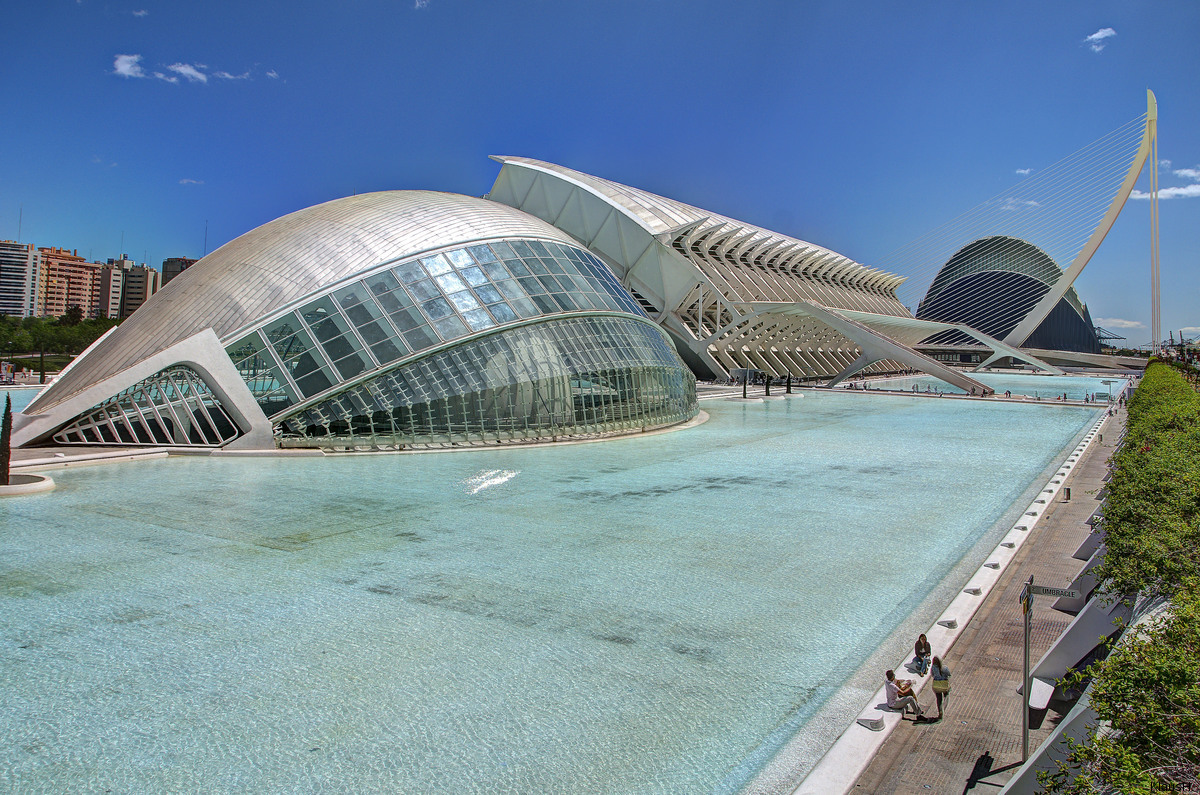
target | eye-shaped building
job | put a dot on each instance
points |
(378, 321)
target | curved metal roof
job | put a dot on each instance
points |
(287, 259)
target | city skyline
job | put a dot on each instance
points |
(856, 127)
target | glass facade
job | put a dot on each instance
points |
(416, 304)
(578, 376)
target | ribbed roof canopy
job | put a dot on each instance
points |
(288, 259)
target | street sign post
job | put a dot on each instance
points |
(1026, 599)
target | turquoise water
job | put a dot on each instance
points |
(1046, 387)
(652, 614)
(20, 397)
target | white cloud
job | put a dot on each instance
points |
(128, 66)
(1117, 322)
(273, 74)
(1012, 204)
(1189, 330)
(1024, 172)
(1185, 192)
(141, 12)
(193, 74)
(1097, 40)
(226, 76)
(1187, 173)
(186, 181)
(1164, 163)
(419, 4)
(168, 78)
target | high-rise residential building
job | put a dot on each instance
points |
(124, 286)
(173, 266)
(18, 278)
(66, 279)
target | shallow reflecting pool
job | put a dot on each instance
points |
(655, 614)
(1043, 387)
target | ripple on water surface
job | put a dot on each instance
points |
(632, 616)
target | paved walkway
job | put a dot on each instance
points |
(977, 746)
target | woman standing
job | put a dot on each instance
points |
(941, 683)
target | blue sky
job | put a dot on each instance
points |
(858, 126)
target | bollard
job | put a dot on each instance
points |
(1066, 493)
(767, 380)
(789, 383)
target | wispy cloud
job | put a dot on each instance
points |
(1099, 40)
(1012, 204)
(1119, 322)
(1024, 172)
(419, 4)
(1164, 163)
(128, 66)
(1187, 173)
(141, 12)
(1184, 192)
(100, 161)
(1189, 330)
(186, 181)
(195, 72)
(192, 73)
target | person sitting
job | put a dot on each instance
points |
(900, 695)
(922, 651)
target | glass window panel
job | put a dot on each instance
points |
(281, 328)
(545, 304)
(552, 284)
(294, 345)
(478, 320)
(496, 271)
(409, 272)
(460, 258)
(511, 289)
(535, 265)
(437, 308)
(531, 285)
(351, 366)
(521, 247)
(517, 267)
(247, 347)
(482, 253)
(463, 301)
(338, 347)
(567, 302)
(420, 338)
(373, 333)
(502, 312)
(363, 314)
(503, 250)
(538, 248)
(425, 290)
(350, 296)
(330, 327)
(552, 265)
(313, 382)
(475, 276)
(382, 282)
(436, 265)
(488, 294)
(318, 310)
(388, 350)
(408, 319)
(394, 301)
(450, 283)
(450, 328)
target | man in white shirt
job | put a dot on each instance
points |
(900, 695)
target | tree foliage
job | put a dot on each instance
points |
(1147, 691)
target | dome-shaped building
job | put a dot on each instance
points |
(383, 320)
(992, 283)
